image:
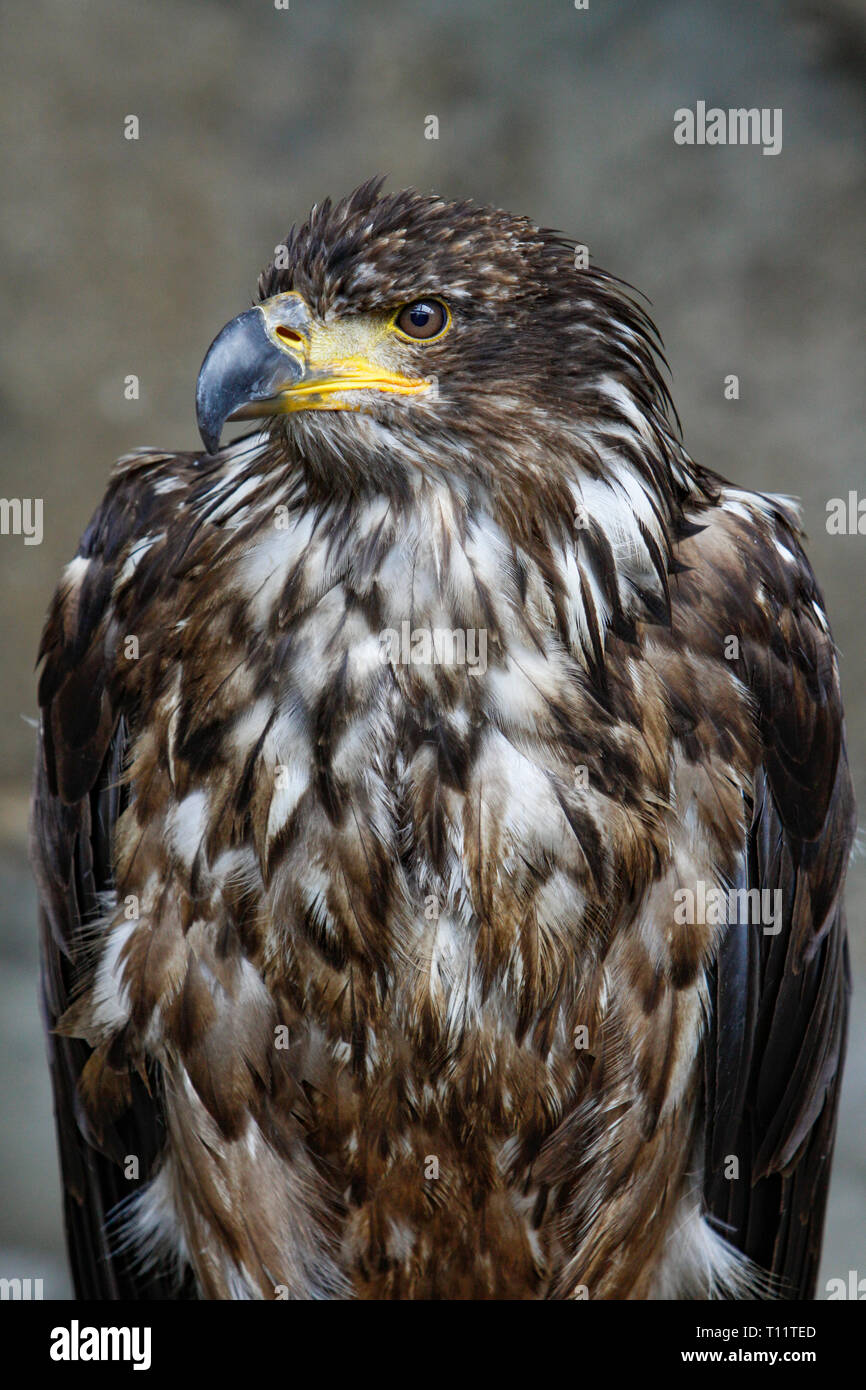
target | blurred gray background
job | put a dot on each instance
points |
(123, 257)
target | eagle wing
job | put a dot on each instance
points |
(78, 795)
(779, 1002)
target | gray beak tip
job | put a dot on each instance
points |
(241, 366)
(209, 425)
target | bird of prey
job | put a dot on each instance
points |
(442, 810)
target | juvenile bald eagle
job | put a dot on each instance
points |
(442, 810)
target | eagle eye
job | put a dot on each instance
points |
(423, 319)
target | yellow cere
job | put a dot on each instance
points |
(358, 352)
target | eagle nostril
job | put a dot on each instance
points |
(289, 336)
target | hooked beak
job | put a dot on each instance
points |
(273, 360)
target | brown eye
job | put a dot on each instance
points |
(423, 319)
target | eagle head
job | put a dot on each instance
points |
(402, 336)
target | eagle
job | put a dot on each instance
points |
(442, 810)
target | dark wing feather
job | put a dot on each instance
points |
(779, 1003)
(77, 798)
